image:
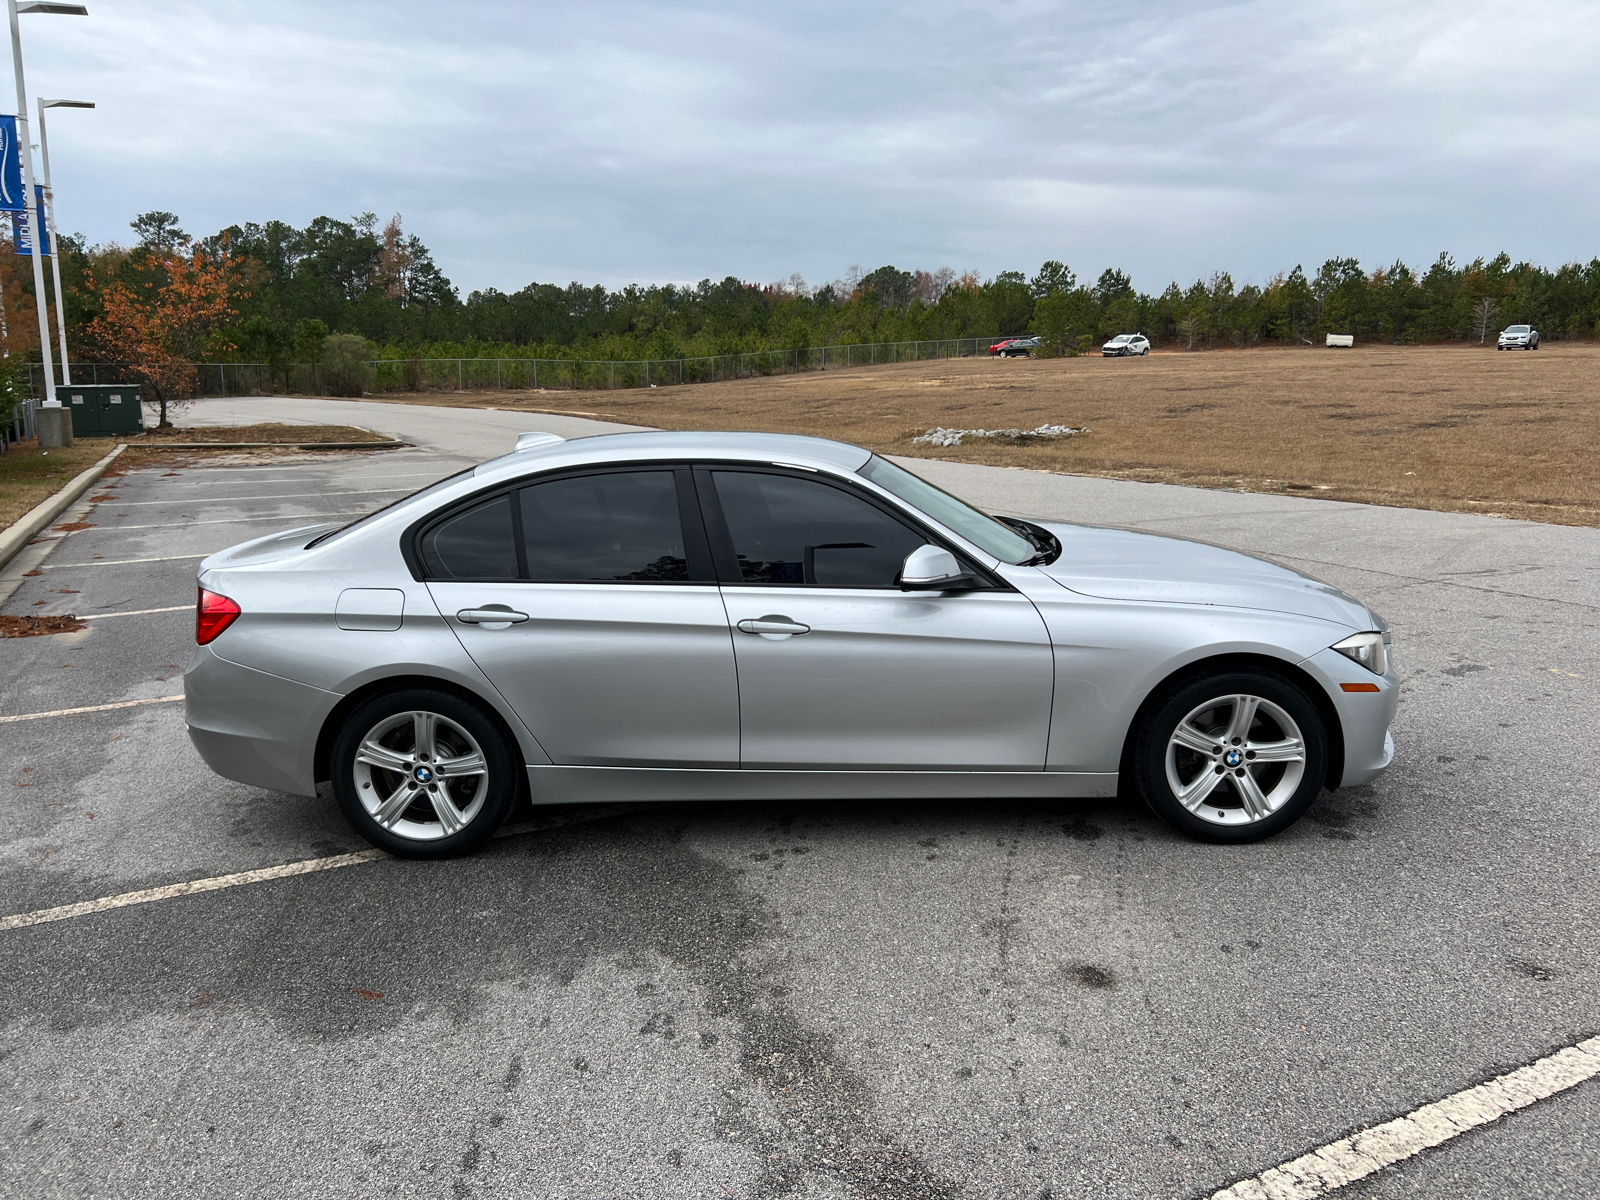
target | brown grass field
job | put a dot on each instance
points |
(1451, 428)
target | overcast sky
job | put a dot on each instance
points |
(611, 142)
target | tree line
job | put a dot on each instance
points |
(281, 293)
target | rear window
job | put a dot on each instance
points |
(437, 486)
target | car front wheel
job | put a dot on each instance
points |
(423, 773)
(1231, 757)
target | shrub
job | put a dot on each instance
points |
(346, 364)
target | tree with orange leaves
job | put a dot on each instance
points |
(161, 327)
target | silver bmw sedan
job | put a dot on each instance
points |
(742, 616)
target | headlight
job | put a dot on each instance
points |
(1371, 650)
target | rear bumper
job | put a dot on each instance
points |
(254, 727)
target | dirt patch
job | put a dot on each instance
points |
(231, 456)
(1451, 428)
(265, 432)
(21, 627)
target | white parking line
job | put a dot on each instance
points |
(1330, 1167)
(90, 708)
(284, 478)
(275, 496)
(215, 883)
(308, 518)
(122, 562)
(305, 866)
(135, 612)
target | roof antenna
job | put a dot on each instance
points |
(530, 441)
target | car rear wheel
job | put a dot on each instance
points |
(1231, 757)
(423, 773)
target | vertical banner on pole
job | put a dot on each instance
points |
(22, 233)
(12, 197)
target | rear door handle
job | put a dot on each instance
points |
(490, 616)
(771, 624)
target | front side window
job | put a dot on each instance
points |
(977, 527)
(800, 532)
(476, 544)
(617, 527)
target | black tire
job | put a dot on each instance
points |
(1152, 738)
(491, 801)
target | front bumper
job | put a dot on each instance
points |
(254, 727)
(1364, 716)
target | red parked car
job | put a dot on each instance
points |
(1015, 347)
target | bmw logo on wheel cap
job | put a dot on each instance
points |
(423, 775)
(1233, 758)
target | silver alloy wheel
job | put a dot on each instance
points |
(421, 776)
(1246, 742)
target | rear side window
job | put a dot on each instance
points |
(801, 532)
(476, 544)
(617, 527)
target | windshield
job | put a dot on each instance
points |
(1518, 329)
(979, 528)
(1121, 337)
(432, 487)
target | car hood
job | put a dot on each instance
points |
(271, 548)
(1124, 564)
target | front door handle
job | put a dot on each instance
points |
(490, 616)
(773, 624)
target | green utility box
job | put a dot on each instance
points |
(103, 409)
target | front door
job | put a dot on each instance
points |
(839, 668)
(614, 647)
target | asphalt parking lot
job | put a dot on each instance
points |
(810, 1000)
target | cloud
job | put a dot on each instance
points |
(613, 142)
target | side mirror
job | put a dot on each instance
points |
(931, 569)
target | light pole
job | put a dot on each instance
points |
(50, 222)
(25, 149)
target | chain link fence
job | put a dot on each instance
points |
(539, 374)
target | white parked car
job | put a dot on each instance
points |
(1124, 344)
(1518, 337)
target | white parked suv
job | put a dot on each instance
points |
(1518, 337)
(1124, 344)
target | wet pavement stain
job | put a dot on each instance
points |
(615, 890)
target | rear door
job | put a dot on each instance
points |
(614, 646)
(839, 668)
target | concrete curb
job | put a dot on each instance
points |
(35, 519)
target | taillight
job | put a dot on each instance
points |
(212, 614)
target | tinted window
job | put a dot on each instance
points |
(798, 531)
(476, 544)
(977, 527)
(622, 526)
